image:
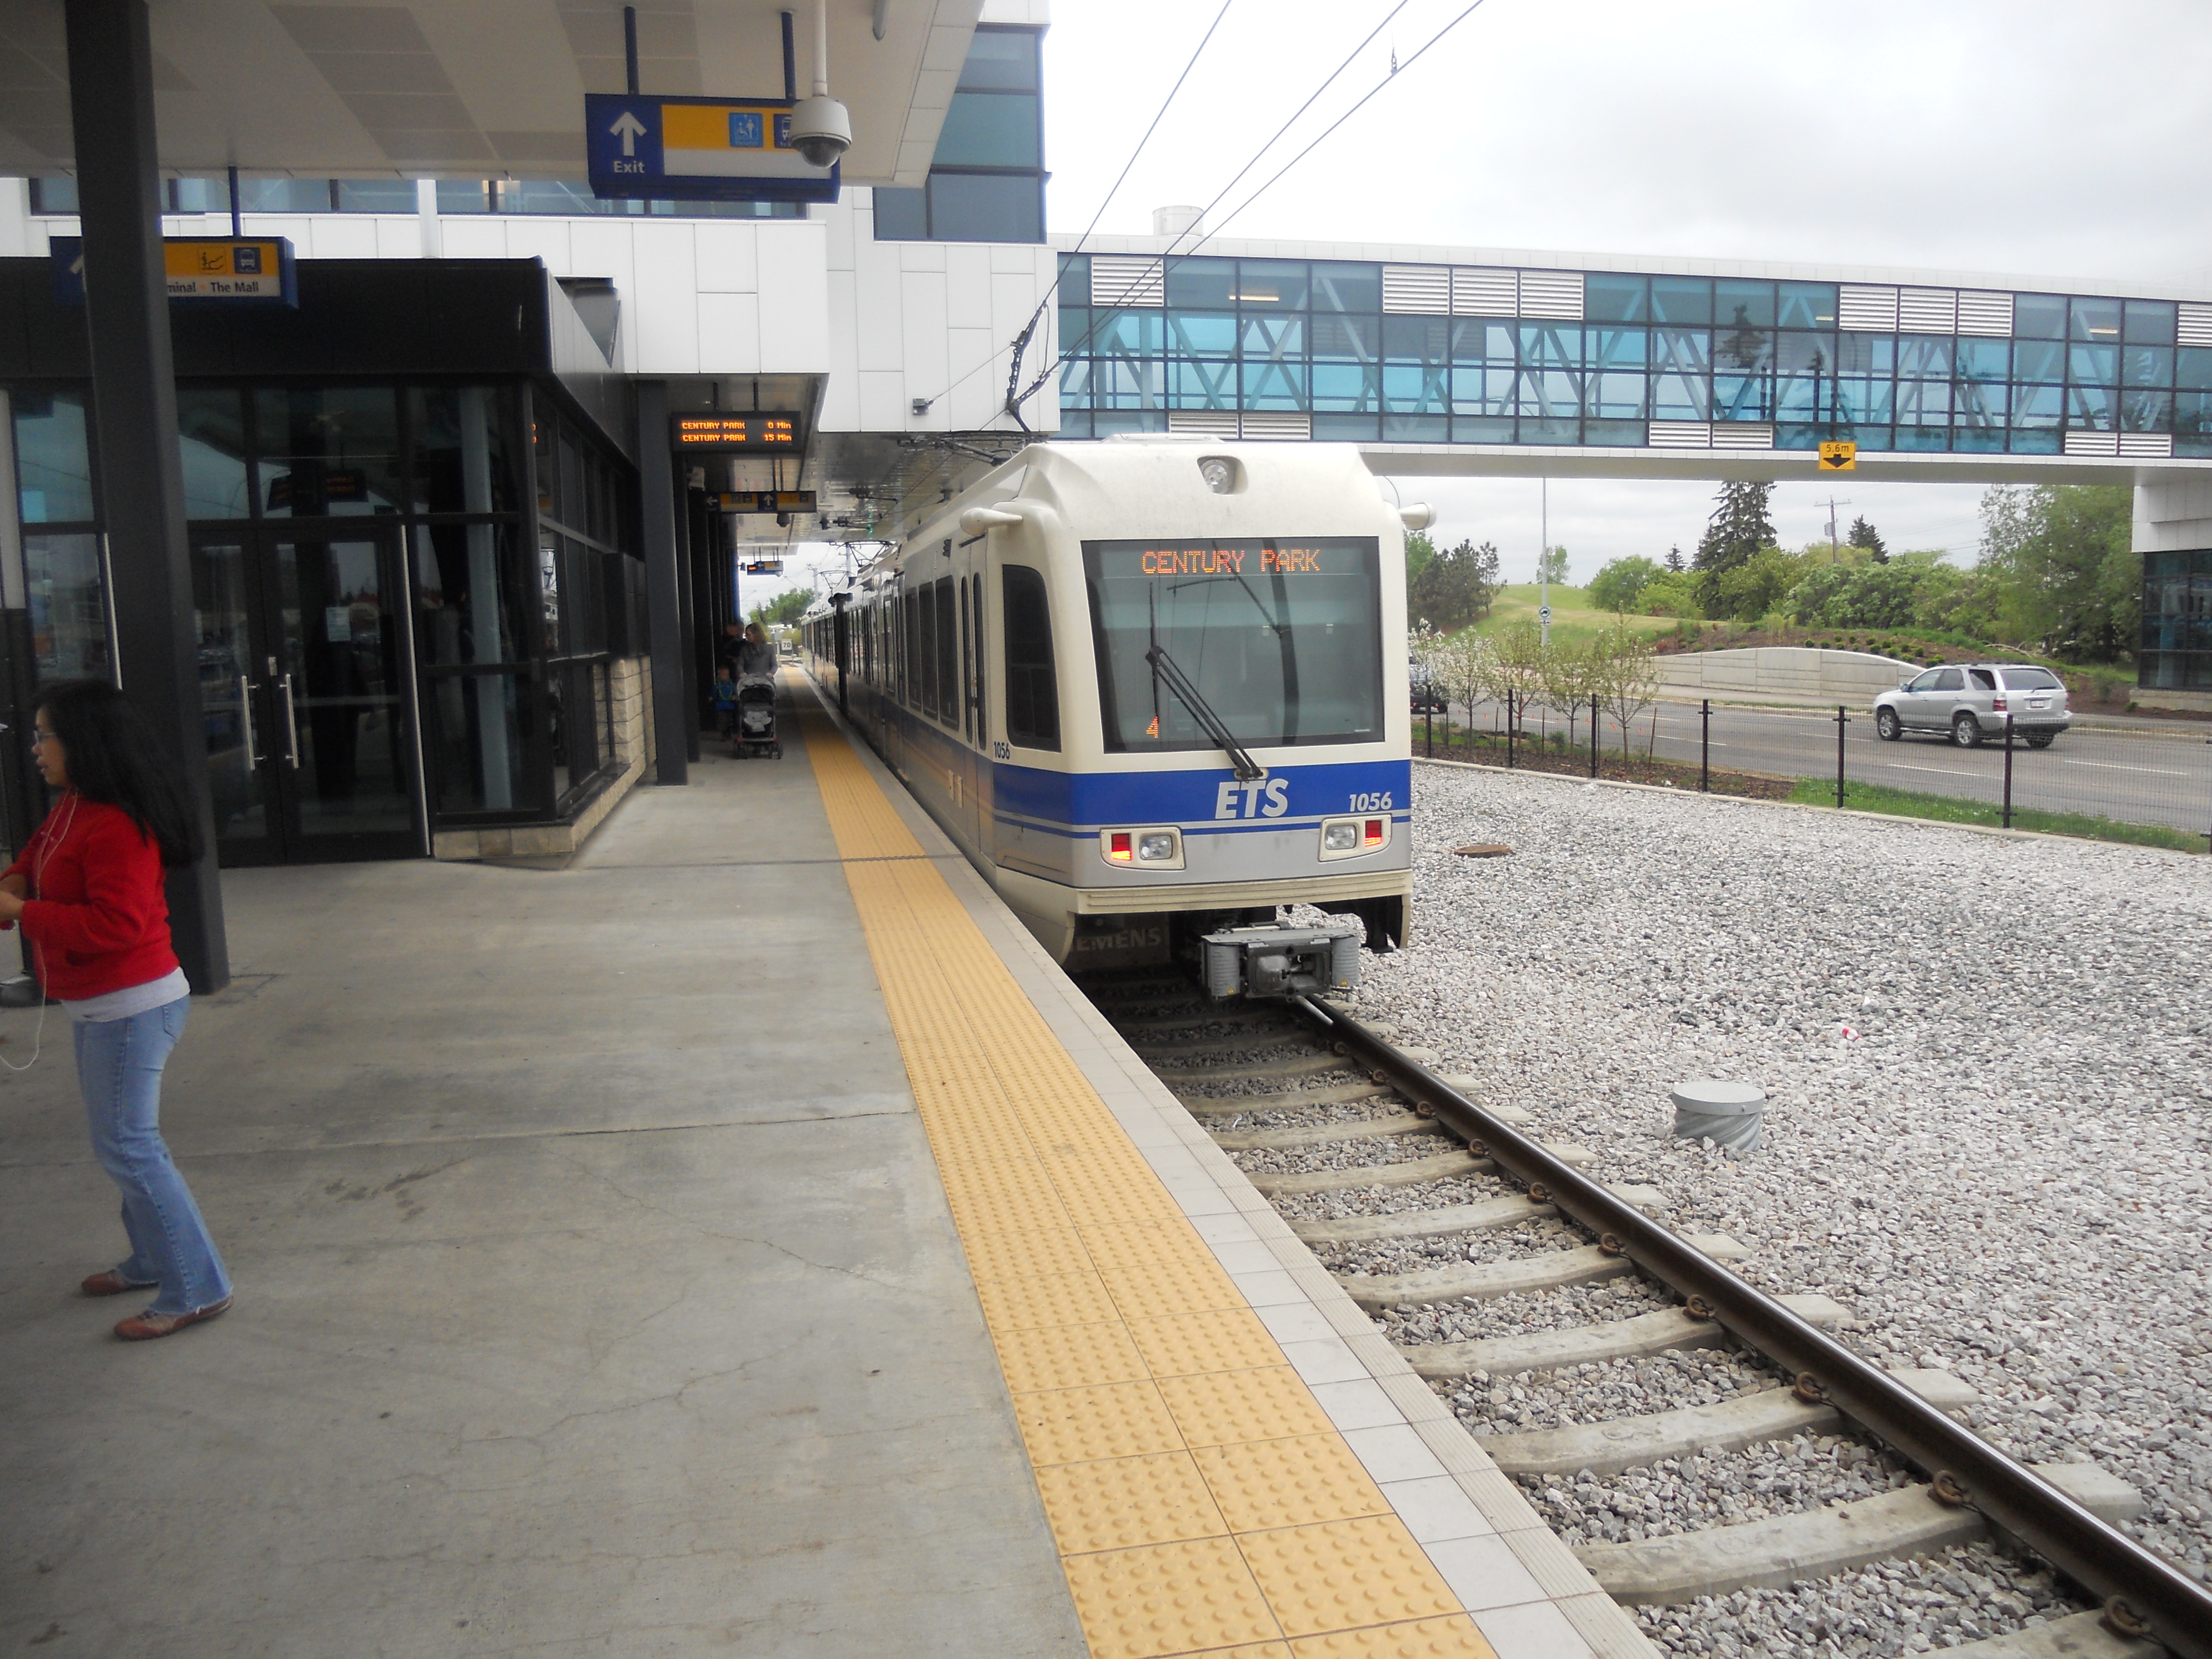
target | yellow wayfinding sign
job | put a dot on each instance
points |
(1839, 457)
(225, 269)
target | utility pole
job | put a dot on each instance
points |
(1544, 559)
(1835, 547)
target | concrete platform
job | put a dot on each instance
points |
(596, 1293)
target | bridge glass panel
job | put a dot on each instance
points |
(2038, 316)
(1682, 300)
(1205, 284)
(1346, 287)
(1272, 284)
(1610, 298)
(2149, 322)
(2095, 320)
(2146, 364)
(1805, 305)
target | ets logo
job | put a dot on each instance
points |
(1253, 798)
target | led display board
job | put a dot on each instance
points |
(733, 434)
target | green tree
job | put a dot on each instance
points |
(1672, 594)
(1748, 590)
(1626, 672)
(1551, 566)
(783, 610)
(1620, 585)
(1457, 587)
(1741, 527)
(1863, 535)
(1420, 552)
(1674, 561)
(2058, 558)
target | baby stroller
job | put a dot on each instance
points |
(755, 727)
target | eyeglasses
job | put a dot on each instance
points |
(41, 738)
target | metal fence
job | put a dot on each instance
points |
(2128, 778)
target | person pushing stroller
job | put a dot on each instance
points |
(754, 698)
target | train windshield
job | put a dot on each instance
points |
(1282, 638)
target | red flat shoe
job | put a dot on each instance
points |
(112, 1283)
(145, 1327)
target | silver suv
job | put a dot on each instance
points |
(1970, 701)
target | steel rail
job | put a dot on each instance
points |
(2142, 1594)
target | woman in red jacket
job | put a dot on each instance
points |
(88, 893)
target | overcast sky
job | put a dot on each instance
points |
(2047, 139)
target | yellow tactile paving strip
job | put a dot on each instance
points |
(1200, 1499)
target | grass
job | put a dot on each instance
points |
(1574, 619)
(1952, 809)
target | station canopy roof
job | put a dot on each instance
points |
(476, 89)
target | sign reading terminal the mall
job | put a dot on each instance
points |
(641, 147)
(219, 270)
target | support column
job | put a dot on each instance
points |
(2173, 533)
(141, 490)
(687, 542)
(664, 593)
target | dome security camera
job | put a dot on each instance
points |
(821, 130)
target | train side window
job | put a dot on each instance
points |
(923, 637)
(948, 655)
(1032, 690)
(982, 724)
(967, 668)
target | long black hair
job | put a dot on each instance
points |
(112, 756)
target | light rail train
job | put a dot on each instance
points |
(1154, 689)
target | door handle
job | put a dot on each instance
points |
(291, 724)
(245, 716)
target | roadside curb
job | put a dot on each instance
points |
(1807, 806)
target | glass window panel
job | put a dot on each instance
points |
(479, 742)
(549, 593)
(1923, 438)
(1682, 300)
(1075, 383)
(2145, 411)
(2192, 414)
(1415, 389)
(1485, 341)
(1125, 383)
(951, 689)
(331, 450)
(1074, 423)
(471, 597)
(1865, 401)
(1485, 391)
(284, 195)
(1743, 398)
(1549, 392)
(2146, 364)
(212, 445)
(67, 605)
(464, 458)
(1805, 354)
(1982, 360)
(2036, 407)
(1923, 402)
(1202, 334)
(1003, 59)
(1272, 284)
(1872, 437)
(1977, 405)
(376, 196)
(1746, 350)
(1866, 353)
(2090, 408)
(1202, 384)
(2043, 440)
(978, 207)
(1347, 387)
(903, 215)
(1341, 285)
(2192, 369)
(2095, 321)
(1541, 430)
(53, 458)
(2150, 322)
(1738, 304)
(211, 195)
(2042, 362)
(1607, 298)
(1616, 396)
(1415, 339)
(989, 129)
(1982, 440)
(1627, 432)
(1683, 350)
(1346, 429)
(1074, 328)
(1923, 357)
(1149, 420)
(1801, 398)
(1075, 279)
(1681, 397)
(1345, 339)
(1127, 333)
(1482, 428)
(1616, 348)
(1806, 305)
(2038, 316)
(1274, 384)
(53, 194)
(1032, 696)
(1203, 283)
(2092, 365)
(1551, 345)
(1416, 429)
(1281, 336)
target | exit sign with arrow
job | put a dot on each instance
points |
(643, 146)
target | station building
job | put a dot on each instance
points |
(451, 591)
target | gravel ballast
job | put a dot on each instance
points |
(1988, 1063)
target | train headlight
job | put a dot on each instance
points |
(1220, 473)
(1340, 837)
(1351, 838)
(1156, 847)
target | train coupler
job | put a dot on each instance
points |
(1282, 961)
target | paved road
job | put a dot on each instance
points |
(2143, 774)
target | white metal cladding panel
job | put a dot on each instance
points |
(1928, 311)
(1485, 293)
(1551, 293)
(2195, 324)
(1872, 310)
(1210, 422)
(2092, 443)
(2147, 444)
(1985, 313)
(1125, 279)
(1734, 434)
(1424, 290)
(1287, 423)
(1681, 435)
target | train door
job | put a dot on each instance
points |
(893, 717)
(979, 680)
(963, 689)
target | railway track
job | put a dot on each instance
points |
(1695, 1440)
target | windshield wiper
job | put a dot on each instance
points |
(1166, 668)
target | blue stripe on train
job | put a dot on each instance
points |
(1201, 800)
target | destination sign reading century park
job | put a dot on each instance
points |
(733, 434)
(1228, 559)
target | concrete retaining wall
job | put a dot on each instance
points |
(1786, 670)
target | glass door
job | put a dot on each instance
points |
(310, 747)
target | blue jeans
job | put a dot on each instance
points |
(119, 1068)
